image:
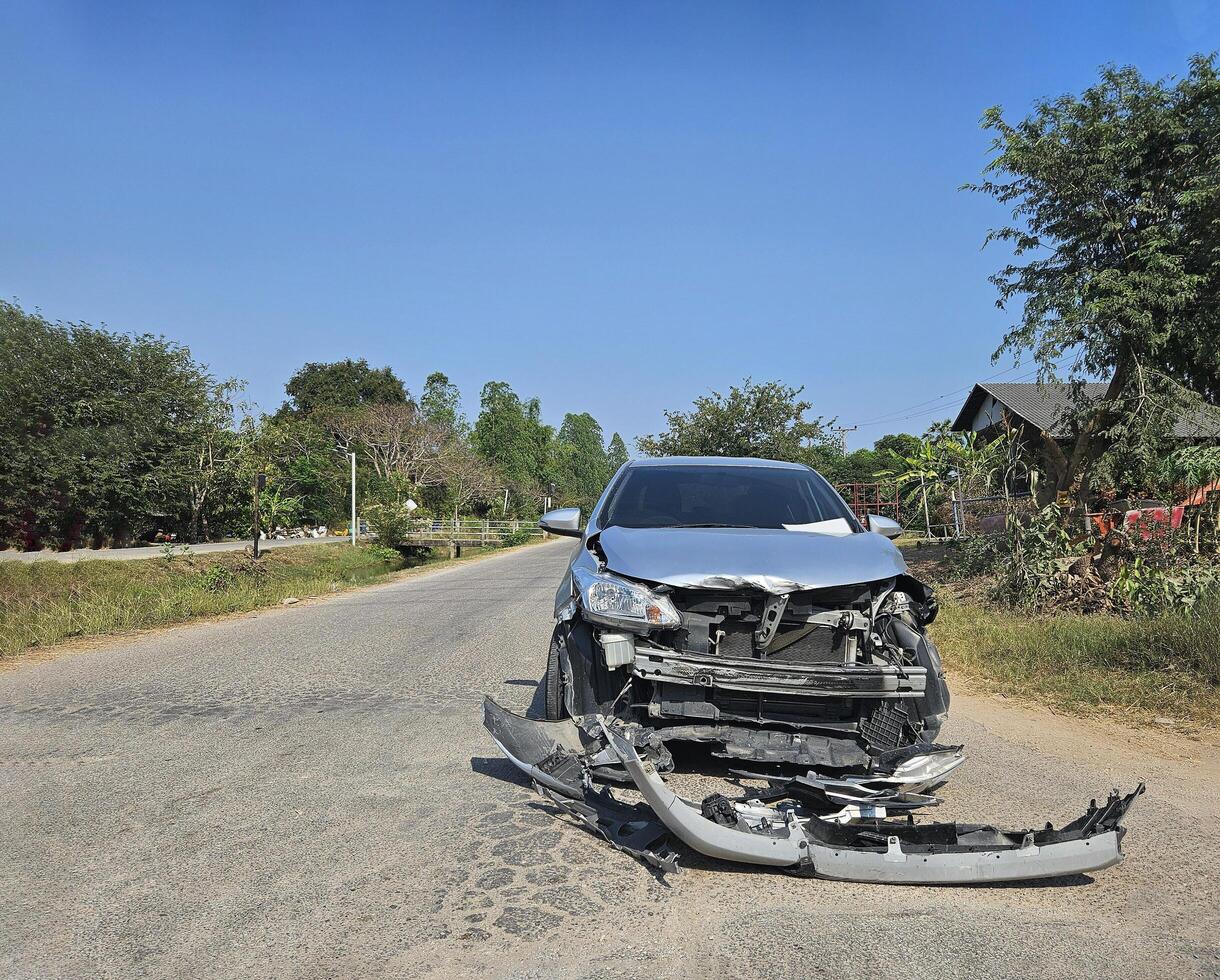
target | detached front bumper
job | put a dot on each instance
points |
(937, 854)
(835, 828)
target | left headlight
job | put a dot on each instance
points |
(617, 602)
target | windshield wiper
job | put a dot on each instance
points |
(709, 525)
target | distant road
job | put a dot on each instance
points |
(155, 550)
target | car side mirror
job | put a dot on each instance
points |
(884, 525)
(565, 521)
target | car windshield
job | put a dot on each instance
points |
(725, 496)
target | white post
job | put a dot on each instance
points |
(354, 528)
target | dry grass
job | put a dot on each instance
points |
(45, 603)
(1164, 666)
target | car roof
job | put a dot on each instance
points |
(716, 461)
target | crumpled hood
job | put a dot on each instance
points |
(774, 561)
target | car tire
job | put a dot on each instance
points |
(552, 684)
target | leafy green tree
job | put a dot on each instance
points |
(441, 403)
(342, 384)
(101, 431)
(501, 432)
(616, 455)
(580, 460)
(765, 419)
(1115, 196)
(300, 459)
(902, 443)
(511, 435)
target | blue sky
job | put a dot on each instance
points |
(614, 207)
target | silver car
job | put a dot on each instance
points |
(740, 603)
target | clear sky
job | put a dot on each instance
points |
(614, 206)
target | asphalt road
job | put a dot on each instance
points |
(156, 550)
(308, 792)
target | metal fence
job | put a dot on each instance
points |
(871, 498)
(469, 529)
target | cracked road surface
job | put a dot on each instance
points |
(308, 792)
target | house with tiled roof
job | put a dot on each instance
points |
(1033, 414)
(995, 407)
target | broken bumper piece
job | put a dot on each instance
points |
(556, 756)
(877, 850)
(844, 828)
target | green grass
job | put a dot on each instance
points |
(1166, 665)
(45, 603)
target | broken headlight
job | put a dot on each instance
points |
(617, 602)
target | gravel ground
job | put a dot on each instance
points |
(308, 792)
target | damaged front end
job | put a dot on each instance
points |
(828, 677)
(852, 828)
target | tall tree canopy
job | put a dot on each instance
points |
(343, 384)
(510, 434)
(616, 455)
(441, 403)
(580, 460)
(760, 419)
(1115, 198)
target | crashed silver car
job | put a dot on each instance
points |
(741, 604)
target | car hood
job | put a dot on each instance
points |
(774, 561)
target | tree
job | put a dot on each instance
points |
(468, 479)
(396, 439)
(511, 435)
(216, 451)
(441, 403)
(342, 384)
(580, 460)
(765, 420)
(104, 434)
(1115, 198)
(616, 455)
(300, 458)
(902, 443)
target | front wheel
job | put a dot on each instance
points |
(552, 684)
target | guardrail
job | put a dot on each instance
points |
(469, 530)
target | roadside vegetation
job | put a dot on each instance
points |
(111, 439)
(1042, 623)
(1165, 666)
(45, 603)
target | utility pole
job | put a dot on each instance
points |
(842, 430)
(354, 528)
(260, 483)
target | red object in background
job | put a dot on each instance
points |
(1144, 522)
(1200, 495)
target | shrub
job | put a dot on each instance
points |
(381, 552)
(971, 557)
(514, 538)
(390, 521)
(217, 578)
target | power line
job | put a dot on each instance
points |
(957, 391)
(897, 416)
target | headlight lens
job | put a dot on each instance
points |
(609, 599)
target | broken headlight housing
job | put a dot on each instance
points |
(616, 602)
